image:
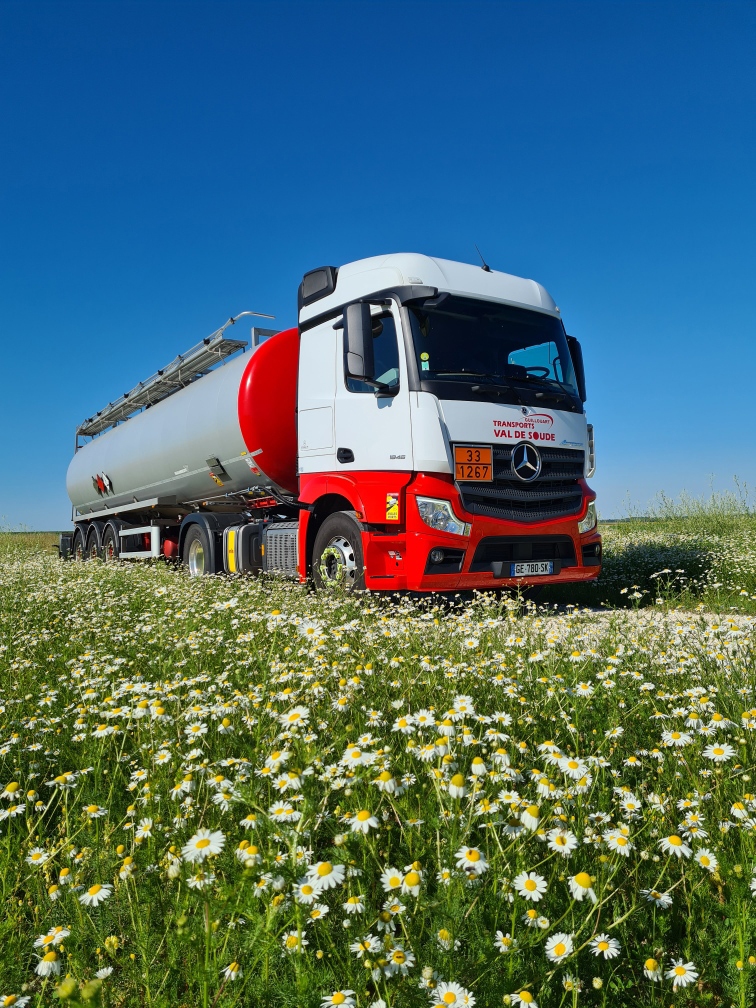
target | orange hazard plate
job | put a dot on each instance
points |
(473, 462)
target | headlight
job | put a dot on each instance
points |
(439, 515)
(589, 522)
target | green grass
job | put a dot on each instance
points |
(136, 691)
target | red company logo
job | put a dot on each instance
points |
(526, 428)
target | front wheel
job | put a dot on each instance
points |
(337, 557)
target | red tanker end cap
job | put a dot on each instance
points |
(267, 408)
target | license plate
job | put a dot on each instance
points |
(473, 462)
(530, 569)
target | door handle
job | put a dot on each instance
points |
(345, 455)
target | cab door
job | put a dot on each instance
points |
(372, 429)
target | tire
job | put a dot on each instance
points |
(79, 545)
(337, 556)
(111, 545)
(94, 544)
(197, 554)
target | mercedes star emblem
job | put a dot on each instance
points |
(526, 461)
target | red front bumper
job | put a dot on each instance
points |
(401, 561)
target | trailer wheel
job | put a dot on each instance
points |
(110, 545)
(93, 544)
(197, 554)
(337, 557)
(78, 548)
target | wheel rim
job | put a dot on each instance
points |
(109, 550)
(338, 564)
(78, 550)
(93, 551)
(196, 559)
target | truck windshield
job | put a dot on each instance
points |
(466, 340)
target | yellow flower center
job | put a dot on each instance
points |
(530, 885)
(363, 815)
(458, 780)
(355, 754)
(718, 751)
(385, 776)
(398, 956)
(201, 844)
(473, 855)
(12, 787)
(675, 841)
(291, 941)
(307, 890)
(93, 890)
(449, 997)
(444, 935)
(603, 946)
(526, 997)
(338, 998)
(412, 879)
(621, 841)
(50, 957)
(705, 861)
(583, 879)
(680, 971)
(325, 869)
(395, 881)
(651, 965)
(560, 948)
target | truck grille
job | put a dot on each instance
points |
(556, 492)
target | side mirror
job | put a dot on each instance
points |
(576, 352)
(359, 341)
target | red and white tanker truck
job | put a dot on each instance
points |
(422, 428)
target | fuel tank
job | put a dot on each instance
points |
(243, 414)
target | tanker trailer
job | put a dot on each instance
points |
(204, 445)
(423, 428)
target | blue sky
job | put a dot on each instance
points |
(169, 164)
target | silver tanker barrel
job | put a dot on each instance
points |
(186, 444)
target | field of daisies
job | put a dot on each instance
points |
(232, 791)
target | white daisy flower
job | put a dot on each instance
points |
(448, 993)
(203, 844)
(294, 941)
(343, 998)
(707, 859)
(603, 945)
(530, 885)
(681, 974)
(354, 905)
(326, 874)
(48, 965)
(675, 845)
(505, 942)
(391, 878)
(558, 946)
(471, 860)
(306, 891)
(580, 887)
(363, 821)
(96, 894)
(652, 969)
